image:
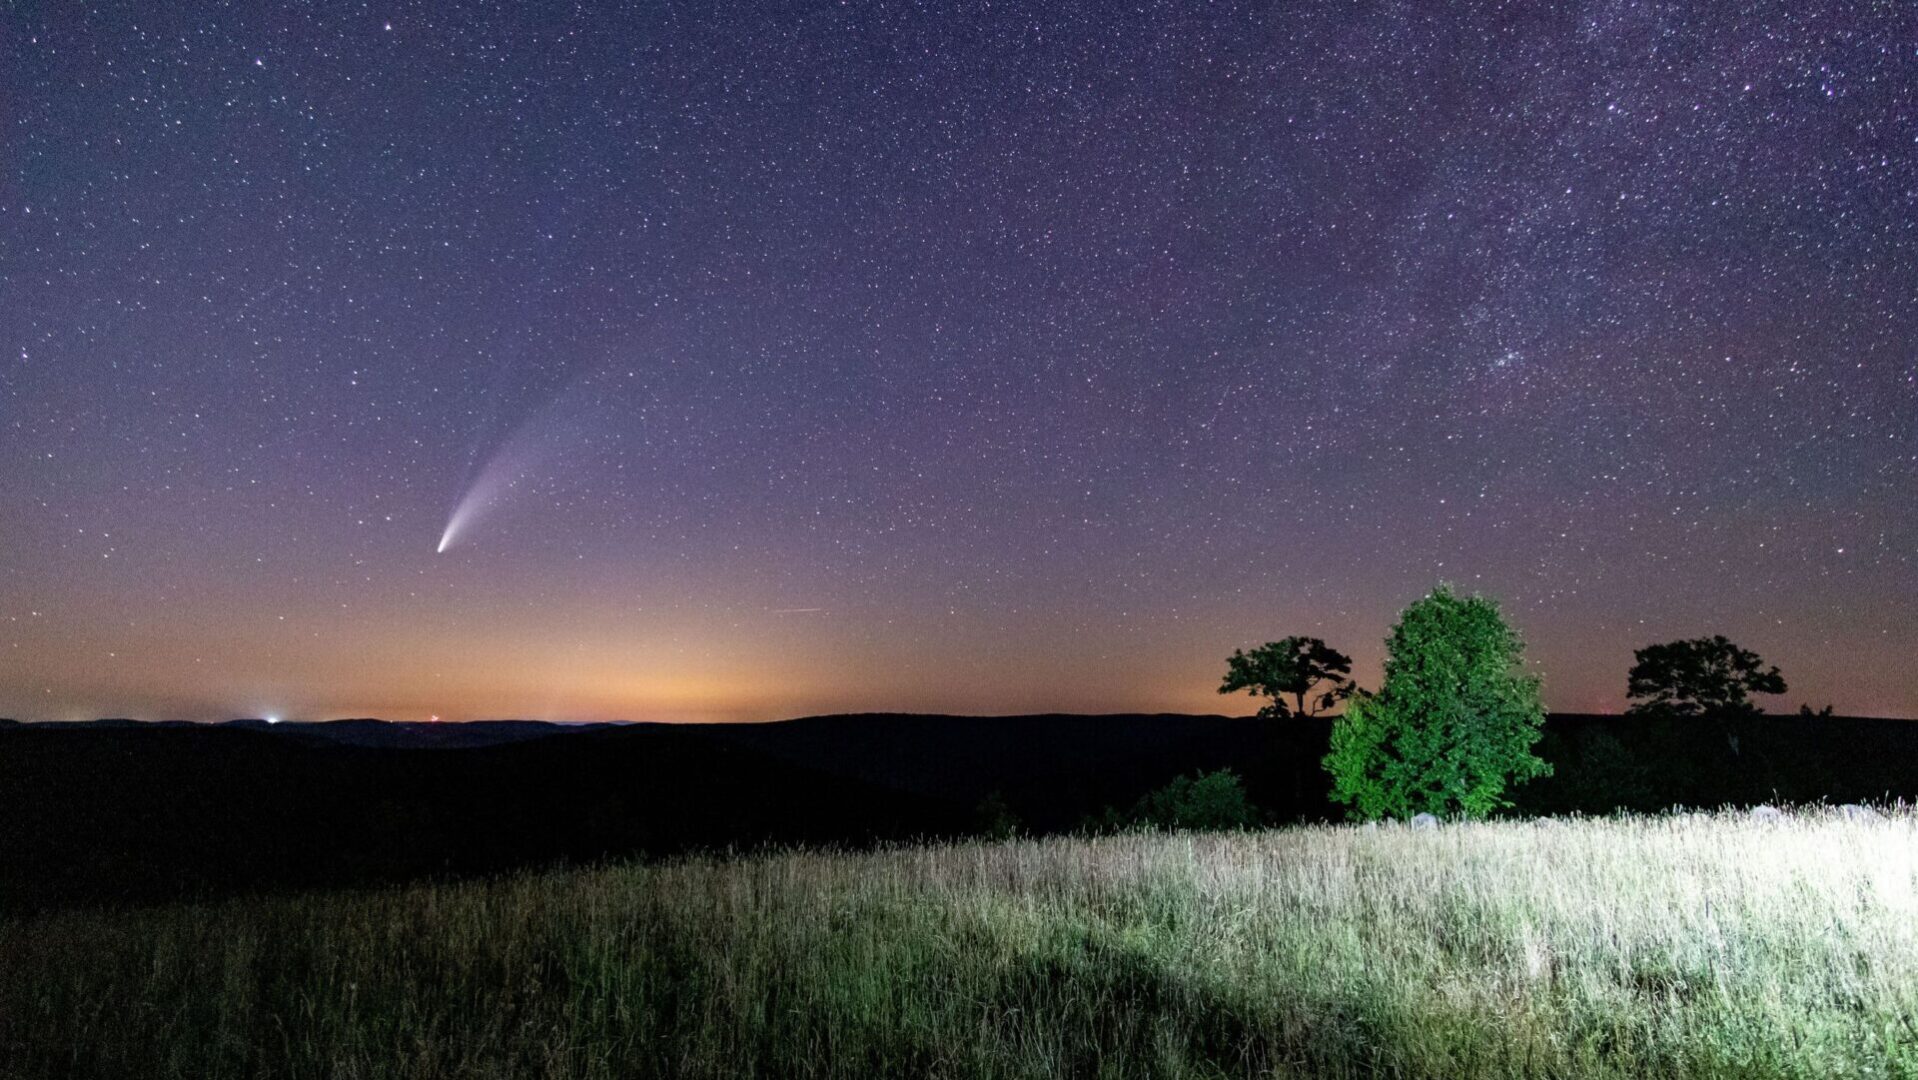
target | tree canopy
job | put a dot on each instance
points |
(1705, 677)
(1454, 723)
(1296, 667)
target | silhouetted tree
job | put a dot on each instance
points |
(1700, 677)
(1708, 678)
(1452, 727)
(1295, 666)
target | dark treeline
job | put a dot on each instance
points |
(115, 815)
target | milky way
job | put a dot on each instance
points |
(1052, 350)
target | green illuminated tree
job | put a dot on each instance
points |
(1295, 666)
(1454, 723)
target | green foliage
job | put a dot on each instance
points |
(1294, 666)
(1703, 677)
(1452, 727)
(995, 818)
(1214, 800)
(1606, 775)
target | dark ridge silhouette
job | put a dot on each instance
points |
(119, 812)
(1053, 769)
(107, 723)
(415, 735)
(1606, 763)
(120, 816)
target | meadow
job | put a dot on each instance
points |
(1687, 946)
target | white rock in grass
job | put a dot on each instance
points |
(1424, 821)
(1854, 812)
(1767, 814)
(1370, 826)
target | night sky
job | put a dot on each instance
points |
(754, 360)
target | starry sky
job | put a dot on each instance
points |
(749, 360)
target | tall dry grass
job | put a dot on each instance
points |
(1684, 947)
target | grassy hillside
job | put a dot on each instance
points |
(1645, 947)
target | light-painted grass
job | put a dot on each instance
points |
(1709, 946)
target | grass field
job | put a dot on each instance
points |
(1708, 946)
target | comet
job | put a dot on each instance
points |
(501, 474)
(516, 463)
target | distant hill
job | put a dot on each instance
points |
(364, 731)
(118, 811)
(413, 735)
(94, 814)
(1054, 769)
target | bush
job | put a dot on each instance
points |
(995, 818)
(1214, 800)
